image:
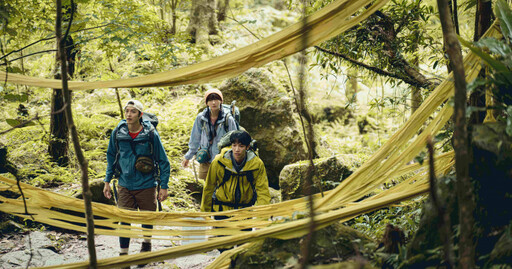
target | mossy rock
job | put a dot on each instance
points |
(267, 114)
(502, 252)
(332, 244)
(275, 196)
(367, 124)
(330, 172)
(96, 187)
(331, 113)
(195, 188)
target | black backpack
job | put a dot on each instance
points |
(231, 111)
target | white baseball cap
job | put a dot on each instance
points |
(134, 103)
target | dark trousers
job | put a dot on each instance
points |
(144, 199)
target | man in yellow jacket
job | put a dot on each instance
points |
(236, 178)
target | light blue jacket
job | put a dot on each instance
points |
(129, 177)
(199, 135)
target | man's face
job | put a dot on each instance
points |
(239, 151)
(132, 115)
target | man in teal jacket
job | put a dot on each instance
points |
(132, 145)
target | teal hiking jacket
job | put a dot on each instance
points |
(129, 177)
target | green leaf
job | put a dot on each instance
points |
(14, 69)
(471, 109)
(500, 68)
(16, 97)
(476, 84)
(14, 123)
(508, 129)
(502, 11)
(495, 46)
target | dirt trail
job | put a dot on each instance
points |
(54, 248)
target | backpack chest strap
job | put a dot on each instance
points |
(227, 175)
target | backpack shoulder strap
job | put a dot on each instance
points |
(156, 169)
(225, 178)
(226, 122)
(250, 177)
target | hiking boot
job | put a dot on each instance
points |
(122, 254)
(146, 247)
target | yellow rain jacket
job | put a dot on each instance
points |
(225, 189)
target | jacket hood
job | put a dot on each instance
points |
(145, 124)
(204, 113)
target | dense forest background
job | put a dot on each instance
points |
(371, 78)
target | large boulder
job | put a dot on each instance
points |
(330, 172)
(267, 114)
(332, 244)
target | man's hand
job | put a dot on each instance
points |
(162, 195)
(106, 190)
(184, 163)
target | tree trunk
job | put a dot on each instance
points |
(455, 14)
(465, 197)
(222, 7)
(86, 192)
(203, 21)
(483, 18)
(174, 4)
(483, 21)
(162, 10)
(415, 93)
(351, 88)
(58, 144)
(59, 132)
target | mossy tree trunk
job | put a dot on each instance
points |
(174, 5)
(223, 6)
(416, 98)
(203, 21)
(483, 20)
(352, 87)
(464, 185)
(59, 132)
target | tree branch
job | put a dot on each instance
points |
(408, 80)
(86, 191)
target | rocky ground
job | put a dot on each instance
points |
(46, 248)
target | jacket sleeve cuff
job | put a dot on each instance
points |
(189, 155)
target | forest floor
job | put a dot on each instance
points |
(46, 248)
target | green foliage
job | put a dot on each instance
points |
(406, 216)
(497, 54)
(400, 29)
